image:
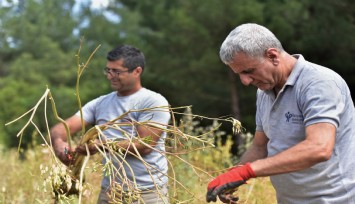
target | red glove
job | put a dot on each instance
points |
(229, 181)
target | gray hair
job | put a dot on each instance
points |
(251, 39)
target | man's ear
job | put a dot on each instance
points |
(273, 55)
(138, 70)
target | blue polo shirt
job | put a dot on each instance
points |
(312, 94)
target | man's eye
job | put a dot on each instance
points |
(248, 71)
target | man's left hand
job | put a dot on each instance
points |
(92, 147)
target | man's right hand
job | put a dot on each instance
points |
(65, 155)
(224, 184)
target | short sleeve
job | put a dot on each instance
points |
(258, 121)
(156, 109)
(322, 101)
(89, 111)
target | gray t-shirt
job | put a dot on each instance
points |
(108, 107)
(312, 94)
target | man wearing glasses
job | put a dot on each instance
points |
(148, 177)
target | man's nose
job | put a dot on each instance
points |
(246, 80)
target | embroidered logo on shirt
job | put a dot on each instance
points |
(294, 118)
(288, 116)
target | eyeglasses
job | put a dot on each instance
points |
(114, 72)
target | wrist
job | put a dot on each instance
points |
(244, 171)
(250, 170)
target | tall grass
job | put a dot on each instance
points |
(22, 181)
(27, 177)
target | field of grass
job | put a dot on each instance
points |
(22, 182)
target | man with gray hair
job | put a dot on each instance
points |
(305, 124)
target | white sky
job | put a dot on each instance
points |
(98, 4)
(95, 4)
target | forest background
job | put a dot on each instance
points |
(39, 41)
(181, 40)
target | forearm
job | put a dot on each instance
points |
(60, 144)
(297, 158)
(257, 150)
(133, 146)
(253, 153)
(58, 138)
(317, 147)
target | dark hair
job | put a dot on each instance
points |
(131, 56)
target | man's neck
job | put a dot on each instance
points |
(129, 92)
(288, 62)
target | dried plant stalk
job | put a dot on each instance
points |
(180, 142)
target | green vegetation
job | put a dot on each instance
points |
(181, 39)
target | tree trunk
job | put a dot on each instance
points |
(237, 139)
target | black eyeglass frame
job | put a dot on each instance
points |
(115, 72)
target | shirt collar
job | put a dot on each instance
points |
(296, 70)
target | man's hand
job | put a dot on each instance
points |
(65, 155)
(93, 146)
(224, 184)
